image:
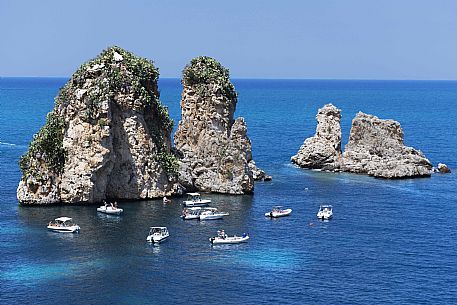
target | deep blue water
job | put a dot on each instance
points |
(390, 242)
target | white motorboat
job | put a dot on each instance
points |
(191, 213)
(278, 211)
(211, 214)
(157, 234)
(222, 238)
(110, 209)
(194, 200)
(63, 225)
(325, 212)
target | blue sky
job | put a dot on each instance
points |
(318, 39)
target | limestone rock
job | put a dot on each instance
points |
(214, 148)
(108, 136)
(376, 148)
(257, 173)
(323, 150)
(443, 168)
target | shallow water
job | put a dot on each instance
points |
(389, 242)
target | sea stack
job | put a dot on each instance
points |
(376, 148)
(214, 148)
(107, 137)
(323, 150)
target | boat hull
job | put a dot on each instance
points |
(283, 213)
(72, 229)
(201, 203)
(156, 240)
(229, 240)
(324, 216)
(110, 211)
(190, 217)
(213, 216)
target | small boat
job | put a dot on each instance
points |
(195, 200)
(166, 200)
(63, 225)
(110, 209)
(222, 238)
(325, 212)
(278, 211)
(157, 234)
(211, 214)
(191, 213)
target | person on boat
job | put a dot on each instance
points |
(105, 204)
(223, 235)
(115, 204)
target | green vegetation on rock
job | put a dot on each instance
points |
(203, 71)
(110, 75)
(46, 146)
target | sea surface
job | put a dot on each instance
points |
(390, 242)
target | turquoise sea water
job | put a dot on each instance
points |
(390, 242)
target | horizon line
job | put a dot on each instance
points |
(271, 78)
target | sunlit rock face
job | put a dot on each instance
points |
(108, 136)
(214, 148)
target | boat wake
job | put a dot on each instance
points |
(7, 144)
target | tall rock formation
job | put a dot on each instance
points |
(108, 136)
(376, 148)
(214, 148)
(323, 150)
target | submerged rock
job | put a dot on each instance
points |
(376, 148)
(323, 150)
(108, 136)
(214, 148)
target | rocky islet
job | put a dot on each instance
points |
(108, 136)
(375, 147)
(215, 151)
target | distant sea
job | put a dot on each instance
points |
(390, 242)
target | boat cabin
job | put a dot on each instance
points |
(158, 231)
(192, 211)
(193, 197)
(62, 222)
(221, 234)
(325, 208)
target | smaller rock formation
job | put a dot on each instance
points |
(214, 148)
(323, 150)
(376, 148)
(257, 173)
(443, 168)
